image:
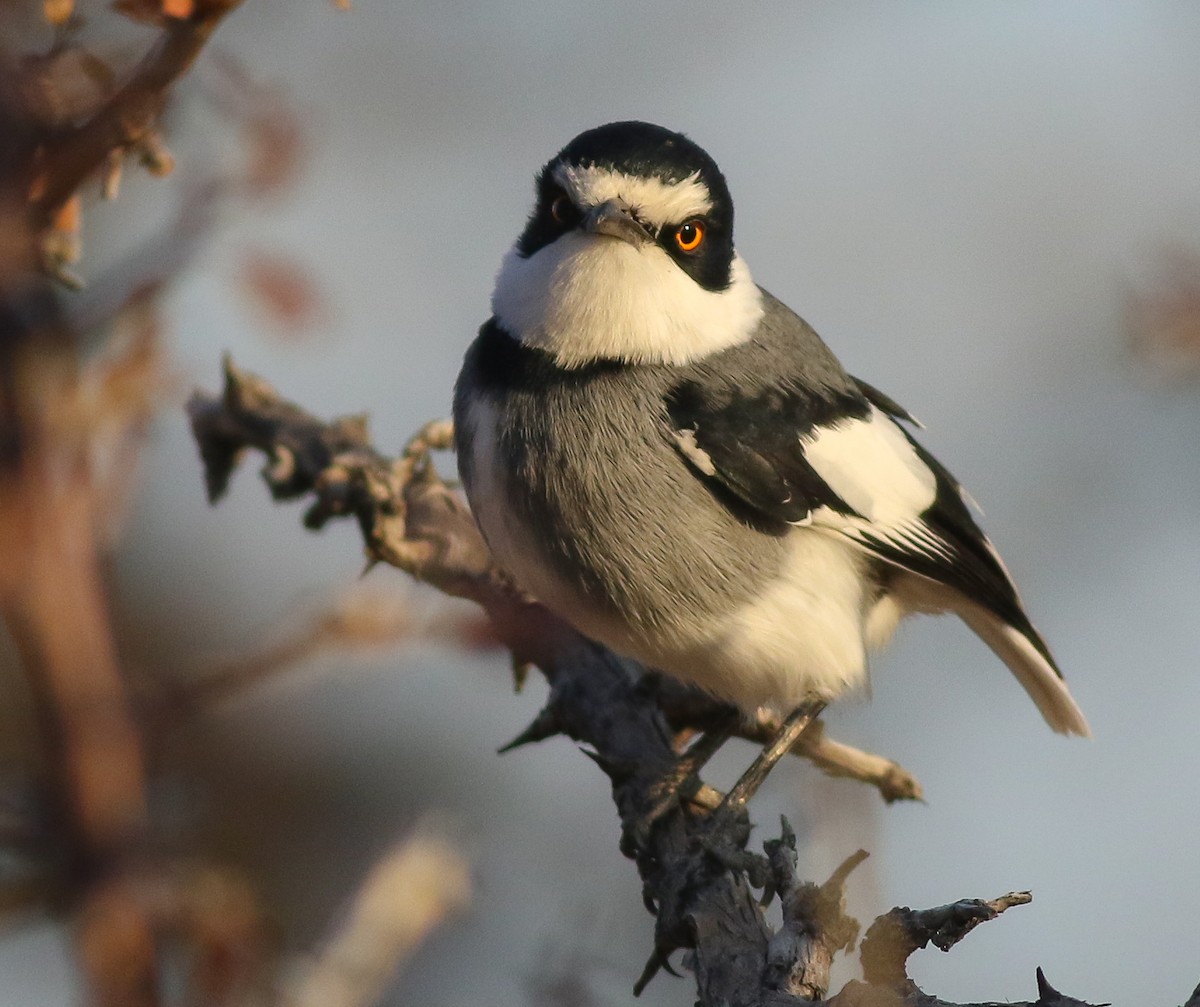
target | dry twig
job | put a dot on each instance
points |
(358, 618)
(127, 119)
(409, 892)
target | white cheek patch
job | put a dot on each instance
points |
(586, 297)
(657, 202)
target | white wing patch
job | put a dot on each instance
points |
(871, 465)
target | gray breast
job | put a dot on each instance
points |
(582, 471)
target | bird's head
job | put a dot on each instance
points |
(628, 254)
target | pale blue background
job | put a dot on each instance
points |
(956, 196)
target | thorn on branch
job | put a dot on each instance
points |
(520, 673)
(1048, 996)
(152, 154)
(62, 244)
(110, 182)
(654, 964)
(545, 725)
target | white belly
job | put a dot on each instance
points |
(803, 637)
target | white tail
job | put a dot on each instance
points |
(1033, 671)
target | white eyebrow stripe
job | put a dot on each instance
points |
(657, 201)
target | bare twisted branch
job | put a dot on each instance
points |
(697, 874)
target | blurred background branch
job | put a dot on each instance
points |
(80, 384)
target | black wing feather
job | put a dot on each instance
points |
(754, 450)
(754, 444)
(973, 568)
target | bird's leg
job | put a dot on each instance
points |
(796, 724)
(683, 778)
(729, 824)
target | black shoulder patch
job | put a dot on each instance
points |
(753, 443)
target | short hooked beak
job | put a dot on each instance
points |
(615, 219)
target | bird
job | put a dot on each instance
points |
(670, 459)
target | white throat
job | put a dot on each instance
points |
(587, 297)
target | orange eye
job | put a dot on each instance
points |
(689, 236)
(563, 210)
